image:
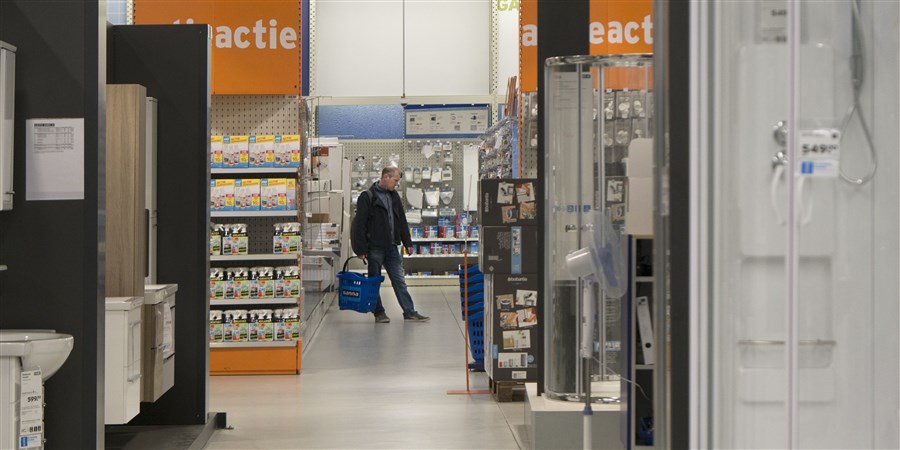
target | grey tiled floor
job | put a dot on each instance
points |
(368, 385)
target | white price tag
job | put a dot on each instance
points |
(31, 427)
(31, 400)
(820, 153)
(772, 18)
(519, 375)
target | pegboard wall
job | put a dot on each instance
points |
(255, 114)
(528, 135)
(411, 155)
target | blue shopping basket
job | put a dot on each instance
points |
(357, 292)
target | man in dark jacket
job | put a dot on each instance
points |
(378, 228)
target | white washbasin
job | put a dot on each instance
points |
(44, 349)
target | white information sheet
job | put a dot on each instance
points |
(54, 159)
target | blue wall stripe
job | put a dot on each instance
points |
(361, 121)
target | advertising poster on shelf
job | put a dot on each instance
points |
(517, 335)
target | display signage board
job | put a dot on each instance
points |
(446, 120)
(256, 44)
(617, 27)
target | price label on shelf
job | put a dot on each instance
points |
(31, 400)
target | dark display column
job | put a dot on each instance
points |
(172, 62)
(53, 248)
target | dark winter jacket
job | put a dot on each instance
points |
(370, 227)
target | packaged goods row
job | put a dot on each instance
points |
(445, 231)
(259, 151)
(254, 282)
(253, 194)
(255, 325)
(233, 239)
(438, 248)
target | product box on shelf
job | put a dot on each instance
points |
(215, 239)
(221, 195)
(241, 283)
(216, 146)
(278, 325)
(287, 150)
(291, 192)
(216, 283)
(273, 194)
(246, 194)
(262, 151)
(510, 202)
(292, 282)
(509, 250)
(235, 240)
(235, 152)
(252, 325)
(264, 325)
(240, 327)
(287, 238)
(291, 324)
(266, 279)
(516, 341)
(416, 232)
(216, 327)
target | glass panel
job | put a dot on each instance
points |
(749, 270)
(597, 108)
(839, 196)
(843, 211)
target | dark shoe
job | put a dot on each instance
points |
(415, 317)
(382, 318)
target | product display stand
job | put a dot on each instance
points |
(468, 390)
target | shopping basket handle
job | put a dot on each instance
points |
(350, 258)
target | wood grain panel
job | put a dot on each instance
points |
(126, 227)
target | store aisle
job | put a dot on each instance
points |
(368, 385)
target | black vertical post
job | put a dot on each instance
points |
(53, 249)
(172, 62)
(675, 77)
(562, 31)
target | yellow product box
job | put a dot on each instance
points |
(216, 146)
(287, 150)
(291, 189)
(221, 195)
(273, 193)
(246, 194)
(262, 151)
(236, 152)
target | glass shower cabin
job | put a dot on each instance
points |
(802, 269)
(598, 108)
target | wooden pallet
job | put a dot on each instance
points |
(507, 391)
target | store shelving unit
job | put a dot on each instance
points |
(259, 357)
(641, 275)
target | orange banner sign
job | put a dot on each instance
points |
(617, 27)
(621, 26)
(528, 36)
(256, 44)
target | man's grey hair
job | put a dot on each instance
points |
(389, 170)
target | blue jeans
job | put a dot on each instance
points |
(393, 264)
